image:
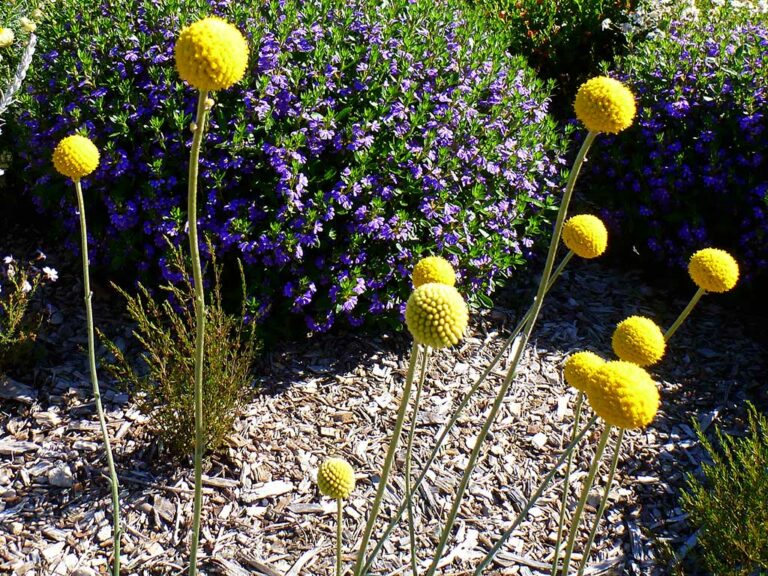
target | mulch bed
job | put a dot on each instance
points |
(338, 395)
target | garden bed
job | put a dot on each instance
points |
(262, 512)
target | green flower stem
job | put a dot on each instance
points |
(197, 275)
(684, 314)
(566, 483)
(388, 460)
(116, 531)
(339, 526)
(455, 417)
(526, 334)
(535, 496)
(583, 499)
(408, 455)
(603, 502)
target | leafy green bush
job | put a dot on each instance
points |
(10, 15)
(689, 173)
(164, 385)
(564, 40)
(364, 136)
(731, 506)
(19, 323)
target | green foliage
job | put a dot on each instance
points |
(688, 172)
(564, 40)
(165, 390)
(731, 506)
(18, 324)
(10, 13)
(364, 136)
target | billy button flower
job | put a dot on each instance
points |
(580, 368)
(336, 479)
(75, 157)
(585, 235)
(605, 105)
(433, 269)
(211, 54)
(624, 395)
(714, 270)
(436, 315)
(638, 340)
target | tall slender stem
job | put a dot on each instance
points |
(603, 502)
(535, 496)
(455, 417)
(339, 525)
(526, 334)
(197, 275)
(390, 457)
(684, 314)
(584, 495)
(566, 483)
(116, 531)
(408, 455)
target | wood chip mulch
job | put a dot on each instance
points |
(338, 395)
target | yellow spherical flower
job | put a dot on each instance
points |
(75, 156)
(211, 54)
(639, 340)
(436, 315)
(336, 479)
(624, 394)
(580, 368)
(605, 105)
(6, 37)
(433, 269)
(585, 235)
(714, 270)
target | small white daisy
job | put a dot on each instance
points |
(50, 273)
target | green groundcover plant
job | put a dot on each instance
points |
(20, 320)
(692, 172)
(364, 135)
(163, 386)
(729, 504)
(564, 40)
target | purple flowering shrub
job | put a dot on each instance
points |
(691, 172)
(362, 138)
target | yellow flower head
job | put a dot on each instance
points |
(336, 479)
(75, 156)
(433, 269)
(436, 315)
(714, 270)
(624, 394)
(211, 54)
(580, 368)
(605, 105)
(639, 340)
(585, 235)
(6, 37)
